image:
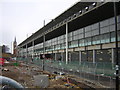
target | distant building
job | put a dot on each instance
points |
(15, 47)
(4, 52)
(0, 49)
(4, 49)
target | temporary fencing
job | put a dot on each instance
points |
(102, 73)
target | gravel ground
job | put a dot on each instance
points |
(24, 74)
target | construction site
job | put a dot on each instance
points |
(33, 77)
(78, 49)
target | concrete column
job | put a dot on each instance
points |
(66, 43)
(44, 44)
(80, 57)
(94, 56)
(55, 56)
(43, 51)
(113, 54)
(61, 56)
(33, 49)
(26, 51)
(69, 56)
(22, 51)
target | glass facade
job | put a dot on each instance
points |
(96, 40)
(102, 32)
(81, 42)
(87, 56)
(105, 38)
(97, 33)
(74, 56)
(104, 55)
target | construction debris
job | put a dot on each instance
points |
(41, 81)
(31, 76)
(5, 69)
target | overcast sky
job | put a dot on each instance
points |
(21, 18)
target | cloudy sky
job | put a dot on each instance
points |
(21, 18)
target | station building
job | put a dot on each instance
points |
(83, 33)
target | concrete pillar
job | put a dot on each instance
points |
(55, 56)
(61, 56)
(113, 54)
(43, 51)
(26, 51)
(66, 43)
(94, 56)
(69, 56)
(22, 51)
(33, 49)
(80, 57)
(44, 44)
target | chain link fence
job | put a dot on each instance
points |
(102, 73)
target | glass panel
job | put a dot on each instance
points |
(52, 47)
(58, 41)
(74, 44)
(55, 42)
(112, 28)
(80, 36)
(97, 39)
(104, 30)
(84, 56)
(86, 42)
(75, 32)
(118, 19)
(103, 55)
(63, 46)
(75, 56)
(62, 41)
(113, 37)
(118, 26)
(69, 44)
(112, 21)
(118, 35)
(70, 34)
(95, 32)
(88, 28)
(102, 39)
(90, 56)
(81, 42)
(95, 26)
(58, 38)
(76, 37)
(81, 30)
(89, 41)
(70, 39)
(88, 34)
(104, 23)
(105, 38)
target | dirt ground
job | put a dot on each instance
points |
(24, 74)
